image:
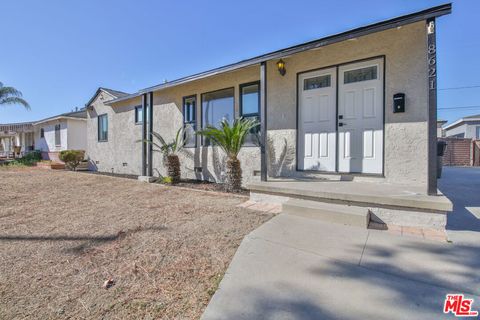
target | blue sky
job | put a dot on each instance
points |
(59, 52)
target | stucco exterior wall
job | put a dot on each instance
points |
(121, 153)
(47, 143)
(76, 134)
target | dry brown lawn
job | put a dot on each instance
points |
(62, 234)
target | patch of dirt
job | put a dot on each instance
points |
(207, 186)
(161, 250)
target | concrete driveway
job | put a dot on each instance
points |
(299, 268)
(462, 187)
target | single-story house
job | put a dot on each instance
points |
(66, 131)
(361, 102)
(16, 135)
(466, 127)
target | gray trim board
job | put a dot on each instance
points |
(432, 107)
(263, 121)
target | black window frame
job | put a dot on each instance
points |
(137, 120)
(250, 115)
(201, 110)
(58, 133)
(98, 128)
(191, 122)
(42, 133)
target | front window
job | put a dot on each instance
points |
(478, 132)
(102, 127)
(217, 106)
(189, 123)
(42, 133)
(317, 82)
(250, 108)
(138, 114)
(362, 74)
(57, 135)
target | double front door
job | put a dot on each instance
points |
(341, 118)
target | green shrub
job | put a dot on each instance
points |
(21, 163)
(33, 156)
(72, 158)
(29, 159)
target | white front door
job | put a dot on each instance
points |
(360, 117)
(317, 120)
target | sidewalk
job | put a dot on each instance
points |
(299, 268)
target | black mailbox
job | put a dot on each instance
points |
(398, 102)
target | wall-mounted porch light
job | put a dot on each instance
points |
(281, 67)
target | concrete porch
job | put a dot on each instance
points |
(355, 202)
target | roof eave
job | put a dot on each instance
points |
(350, 34)
(58, 118)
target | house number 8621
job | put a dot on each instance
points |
(432, 68)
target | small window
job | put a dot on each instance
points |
(42, 133)
(217, 106)
(317, 82)
(189, 123)
(138, 114)
(478, 132)
(58, 141)
(362, 74)
(250, 108)
(102, 127)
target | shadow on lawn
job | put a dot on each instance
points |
(90, 240)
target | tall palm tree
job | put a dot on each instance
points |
(10, 95)
(230, 138)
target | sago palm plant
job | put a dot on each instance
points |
(230, 138)
(10, 95)
(170, 151)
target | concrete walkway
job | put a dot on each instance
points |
(299, 268)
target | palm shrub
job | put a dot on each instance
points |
(170, 152)
(230, 138)
(10, 95)
(72, 158)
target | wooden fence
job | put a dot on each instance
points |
(461, 152)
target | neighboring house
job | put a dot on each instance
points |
(466, 127)
(16, 135)
(440, 131)
(325, 106)
(66, 131)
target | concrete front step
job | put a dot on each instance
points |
(367, 194)
(329, 212)
(385, 203)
